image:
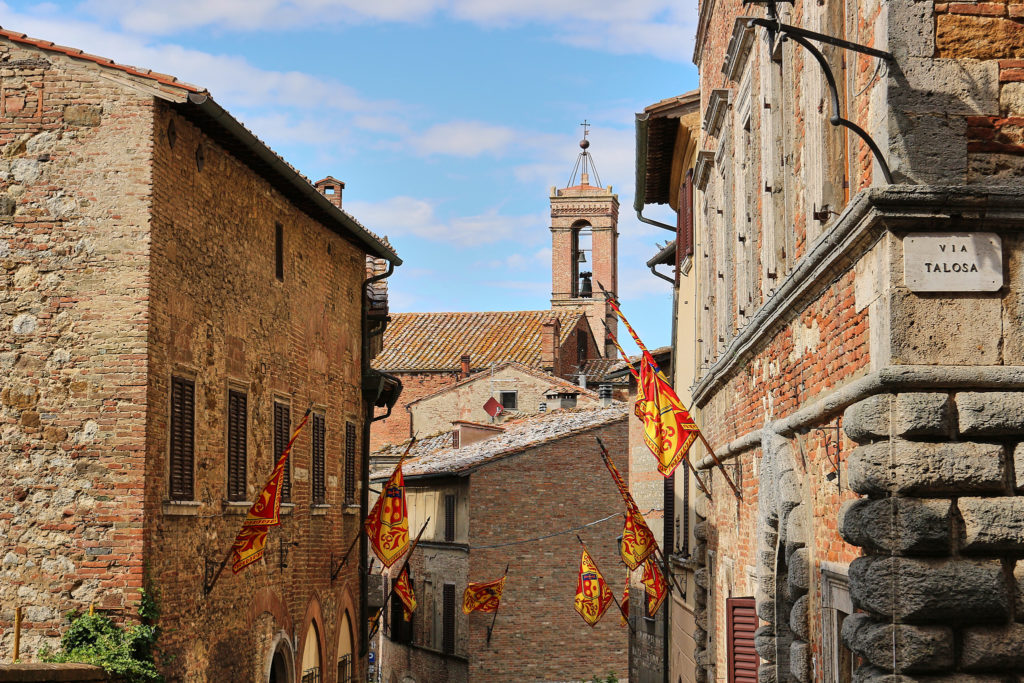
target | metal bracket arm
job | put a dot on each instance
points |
(820, 37)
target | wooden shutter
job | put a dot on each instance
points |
(237, 451)
(279, 251)
(741, 622)
(669, 491)
(319, 482)
(448, 620)
(449, 518)
(684, 226)
(282, 428)
(401, 630)
(684, 541)
(350, 463)
(182, 439)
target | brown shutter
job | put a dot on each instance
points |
(319, 483)
(684, 226)
(449, 518)
(448, 620)
(182, 439)
(669, 492)
(350, 463)
(684, 541)
(741, 622)
(282, 427)
(237, 447)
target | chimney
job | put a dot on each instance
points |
(331, 188)
(549, 336)
(464, 371)
(604, 392)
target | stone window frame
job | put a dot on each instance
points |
(835, 600)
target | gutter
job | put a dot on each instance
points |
(641, 175)
(664, 258)
(343, 223)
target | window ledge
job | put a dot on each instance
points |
(319, 510)
(350, 509)
(181, 508)
(287, 508)
(237, 507)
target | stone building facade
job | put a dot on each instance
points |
(861, 387)
(515, 499)
(162, 271)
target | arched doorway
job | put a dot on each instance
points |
(346, 669)
(311, 667)
(282, 661)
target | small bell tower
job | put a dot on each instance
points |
(584, 252)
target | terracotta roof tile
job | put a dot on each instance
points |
(435, 456)
(437, 341)
(483, 374)
(105, 61)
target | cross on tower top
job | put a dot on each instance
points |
(586, 128)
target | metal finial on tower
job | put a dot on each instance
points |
(584, 162)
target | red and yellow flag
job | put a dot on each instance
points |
(624, 617)
(483, 597)
(669, 431)
(654, 586)
(638, 542)
(592, 593)
(387, 526)
(264, 513)
(403, 589)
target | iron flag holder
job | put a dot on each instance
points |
(803, 37)
(833, 448)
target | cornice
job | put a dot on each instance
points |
(739, 48)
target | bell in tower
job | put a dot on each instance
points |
(584, 235)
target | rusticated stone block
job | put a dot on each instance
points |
(798, 623)
(919, 590)
(767, 673)
(926, 469)
(868, 420)
(1018, 465)
(766, 610)
(993, 523)
(799, 571)
(1018, 579)
(993, 647)
(764, 642)
(976, 37)
(700, 577)
(991, 413)
(902, 525)
(921, 414)
(790, 491)
(917, 648)
(800, 660)
(700, 531)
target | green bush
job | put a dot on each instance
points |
(124, 652)
(612, 678)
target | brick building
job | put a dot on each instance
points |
(430, 351)
(539, 478)
(173, 295)
(861, 386)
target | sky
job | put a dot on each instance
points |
(448, 120)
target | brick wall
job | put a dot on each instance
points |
(219, 315)
(74, 199)
(395, 429)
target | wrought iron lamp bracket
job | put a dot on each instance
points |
(833, 447)
(802, 37)
(209, 574)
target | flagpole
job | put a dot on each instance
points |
(208, 587)
(399, 575)
(344, 559)
(617, 603)
(495, 618)
(611, 302)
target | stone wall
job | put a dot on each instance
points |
(395, 429)
(74, 237)
(942, 528)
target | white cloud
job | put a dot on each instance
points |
(463, 139)
(663, 28)
(399, 216)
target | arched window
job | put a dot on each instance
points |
(582, 253)
(345, 668)
(311, 671)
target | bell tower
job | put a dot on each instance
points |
(584, 253)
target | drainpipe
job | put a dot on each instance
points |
(364, 474)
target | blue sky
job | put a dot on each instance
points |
(448, 120)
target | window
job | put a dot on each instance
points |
(401, 630)
(835, 607)
(741, 622)
(237, 448)
(282, 425)
(448, 619)
(350, 464)
(345, 669)
(684, 534)
(182, 439)
(455, 438)
(319, 483)
(279, 251)
(509, 400)
(669, 492)
(449, 518)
